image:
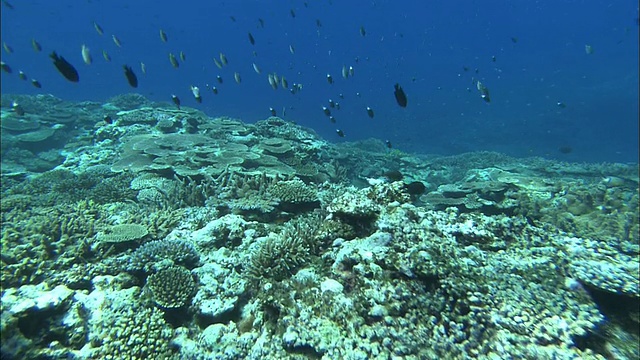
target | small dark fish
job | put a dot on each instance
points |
(108, 119)
(261, 21)
(219, 78)
(98, 28)
(36, 83)
(131, 77)
(36, 45)
(233, 18)
(176, 100)
(6, 68)
(272, 111)
(7, 4)
(561, 105)
(493, 58)
(329, 79)
(251, 39)
(326, 111)
(340, 132)
(393, 175)
(370, 112)
(337, 106)
(332, 119)
(22, 75)
(363, 32)
(465, 68)
(318, 23)
(388, 143)
(65, 68)
(514, 40)
(17, 108)
(163, 36)
(292, 13)
(332, 104)
(106, 56)
(415, 188)
(215, 90)
(565, 149)
(401, 97)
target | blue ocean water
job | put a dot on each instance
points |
(538, 47)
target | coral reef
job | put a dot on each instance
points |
(168, 234)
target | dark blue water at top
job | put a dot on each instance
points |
(539, 50)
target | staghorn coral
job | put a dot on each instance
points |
(172, 287)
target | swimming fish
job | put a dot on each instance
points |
(116, 41)
(340, 132)
(6, 68)
(588, 49)
(183, 57)
(332, 104)
(292, 50)
(345, 72)
(223, 59)
(272, 111)
(22, 75)
(7, 4)
(36, 45)
(173, 60)
(98, 28)
(329, 79)
(163, 36)
(292, 13)
(218, 63)
(17, 108)
(332, 119)
(131, 76)
(401, 97)
(176, 100)
(36, 83)
(363, 32)
(484, 91)
(326, 111)
(388, 143)
(214, 90)
(236, 76)
(196, 93)
(284, 82)
(86, 55)
(106, 56)
(143, 68)
(370, 112)
(108, 120)
(261, 21)
(273, 82)
(351, 71)
(65, 68)
(7, 48)
(256, 69)
(251, 39)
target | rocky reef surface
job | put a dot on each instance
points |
(166, 234)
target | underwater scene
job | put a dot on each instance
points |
(319, 180)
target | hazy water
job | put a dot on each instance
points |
(424, 46)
